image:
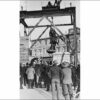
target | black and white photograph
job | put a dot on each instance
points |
(49, 49)
(43, 56)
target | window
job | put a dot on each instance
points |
(65, 49)
(43, 50)
(58, 49)
(35, 52)
(43, 42)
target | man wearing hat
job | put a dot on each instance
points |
(30, 74)
(67, 81)
(54, 74)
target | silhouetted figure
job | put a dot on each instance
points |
(78, 78)
(21, 76)
(57, 3)
(55, 73)
(30, 76)
(49, 4)
(67, 81)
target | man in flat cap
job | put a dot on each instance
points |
(67, 81)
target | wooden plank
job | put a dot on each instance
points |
(50, 13)
(35, 26)
(39, 37)
(50, 25)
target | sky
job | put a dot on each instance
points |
(33, 5)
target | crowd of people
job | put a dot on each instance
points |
(51, 76)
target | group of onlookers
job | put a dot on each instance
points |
(35, 74)
(52, 77)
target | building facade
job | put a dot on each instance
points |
(40, 48)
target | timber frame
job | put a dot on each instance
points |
(69, 11)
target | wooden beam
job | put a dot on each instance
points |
(48, 13)
(75, 39)
(39, 37)
(23, 22)
(35, 26)
(50, 25)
